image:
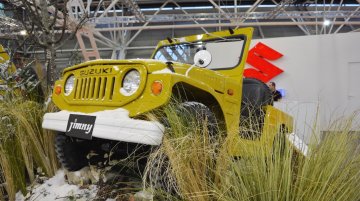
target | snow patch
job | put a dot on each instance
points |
(163, 71)
(182, 40)
(56, 188)
(47, 102)
(119, 113)
(144, 195)
(77, 173)
(298, 143)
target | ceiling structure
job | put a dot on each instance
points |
(118, 28)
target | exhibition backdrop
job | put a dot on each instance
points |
(320, 78)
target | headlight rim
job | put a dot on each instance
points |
(66, 92)
(122, 90)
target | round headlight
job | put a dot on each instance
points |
(131, 83)
(69, 85)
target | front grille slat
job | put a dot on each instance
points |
(93, 80)
(101, 83)
(111, 92)
(103, 88)
(86, 88)
(78, 89)
(76, 86)
(82, 89)
(97, 88)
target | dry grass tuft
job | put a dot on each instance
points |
(25, 149)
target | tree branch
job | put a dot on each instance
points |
(73, 33)
(53, 23)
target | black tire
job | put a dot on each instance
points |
(73, 153)
(70, 155)
(200, 113)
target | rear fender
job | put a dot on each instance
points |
(276, 123)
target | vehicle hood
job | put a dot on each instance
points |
(152, 65)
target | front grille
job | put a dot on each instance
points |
(99, 85)
(94, 88)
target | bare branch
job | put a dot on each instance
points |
(55, 16)
(63, 29)
(32, 15)
(72, 35)
(37, 14)
(43, 17)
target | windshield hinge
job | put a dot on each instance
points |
(169, 65)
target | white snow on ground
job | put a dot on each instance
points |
(56, 188)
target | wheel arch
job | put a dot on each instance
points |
(183, 91)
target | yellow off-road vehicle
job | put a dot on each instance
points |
(103, 102)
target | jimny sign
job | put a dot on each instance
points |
(259, 57)
(80, 126)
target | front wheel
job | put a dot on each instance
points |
(199, 114)
(71, 152)
(74, 153)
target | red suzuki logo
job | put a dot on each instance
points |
(257, 58)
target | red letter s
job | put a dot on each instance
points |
(264, 71)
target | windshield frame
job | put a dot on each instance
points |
(243, 37)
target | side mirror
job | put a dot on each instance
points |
(202, 58)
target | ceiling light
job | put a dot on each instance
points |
(326, 22)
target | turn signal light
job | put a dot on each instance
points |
(58, 90)
(156, 87)
(230, 92)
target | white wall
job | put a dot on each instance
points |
(321, 73)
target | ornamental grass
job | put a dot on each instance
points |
(190, 165)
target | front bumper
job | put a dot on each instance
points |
(112, 125)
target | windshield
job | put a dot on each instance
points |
(225, 52)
